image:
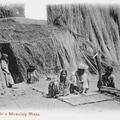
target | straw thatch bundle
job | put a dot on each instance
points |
(95, 28)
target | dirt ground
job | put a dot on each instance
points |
(24, 96)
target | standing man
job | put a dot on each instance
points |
(97, 59)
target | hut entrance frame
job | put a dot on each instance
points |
(13, 66)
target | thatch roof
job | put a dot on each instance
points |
(27, 43)
(38, 44)
(98, 25)
(95, 28)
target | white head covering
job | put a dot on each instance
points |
(82, 66)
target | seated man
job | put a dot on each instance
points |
(107, 79)
(32, 74)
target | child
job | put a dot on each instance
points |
(81, 82)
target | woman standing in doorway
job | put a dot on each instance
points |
(3, 85)
(7, 75)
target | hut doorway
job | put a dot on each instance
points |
(13, 67)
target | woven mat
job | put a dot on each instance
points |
(75, 100)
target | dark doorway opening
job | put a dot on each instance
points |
(13, 67)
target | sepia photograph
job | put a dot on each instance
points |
(60, 57)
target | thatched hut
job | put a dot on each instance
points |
(28, 42)
(25, 44)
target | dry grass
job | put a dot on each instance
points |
(98, 26)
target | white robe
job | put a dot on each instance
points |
(3, 85)
(84, 78)
(7, 74)
(85, 81)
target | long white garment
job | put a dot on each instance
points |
(8, 77)
(73, 80)
(4, 66)
(85, 81)
(2, 80)
(82, 82)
